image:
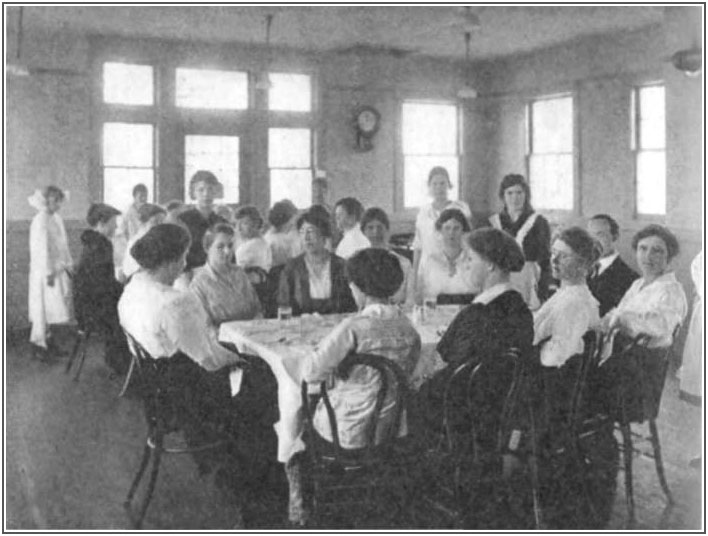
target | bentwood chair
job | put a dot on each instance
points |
(344, 479)
(162, 420)
(639, 401)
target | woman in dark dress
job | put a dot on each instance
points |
(533, 234)
(497, 320)
(96, 290)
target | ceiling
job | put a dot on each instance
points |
(434, 31)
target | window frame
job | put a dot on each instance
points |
(555, 214)
(399, 163)
(636, 150)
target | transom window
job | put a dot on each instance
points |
(290, 164)
(649, 147)
(211, 89)
(128, 84)
(429, 139)
(289, 92)
(550, 157)
(126, 164)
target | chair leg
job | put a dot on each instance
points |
(134, 486)
(151, 484)
(127, 377)
(658, 460)
(627, 453)
(82, 358)
(533, 469)
(77, 344)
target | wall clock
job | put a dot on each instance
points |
(367, 121)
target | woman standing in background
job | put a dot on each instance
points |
(50, 295)
(532, 233)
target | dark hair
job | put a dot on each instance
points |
(148, 210)
(375, 214)
(452, 213)
(281, 213)
(498, 247)
(173, 205)
(55, 191)
(672, 245)
(249, 211)
(203, 176)
(439, 170)
(375, 271)
(162, 244)
(614, 228)
(514, 179)
(351, 205)
(139, 188)
(100, 213)
(582, 244)
(210, 234)
(318, 216)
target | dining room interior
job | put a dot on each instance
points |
(319, 104)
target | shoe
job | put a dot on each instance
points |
(40, 353)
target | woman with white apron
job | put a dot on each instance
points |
(532, 233)
(50, 295)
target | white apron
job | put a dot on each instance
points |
(526, 281)
(49, 254)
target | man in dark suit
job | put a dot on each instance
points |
(611, 277)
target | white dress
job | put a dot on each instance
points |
(435, 277)
(352, 241)
(49, 254)
(427, 239)
(692, 368)
(254, 252)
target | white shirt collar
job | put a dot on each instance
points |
(492, 292)
(380, 310)
(605, 262)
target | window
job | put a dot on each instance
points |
(127, 160)
(218, 154)
(429, 139)
(130, 84)
(550, 152)
(649, 146)
(289, 92)
(290, 163)
(204, 88)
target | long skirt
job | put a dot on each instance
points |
(48, 305)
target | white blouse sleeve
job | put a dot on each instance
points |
(331, 351)
(663, 312)
(418, 239)
(185, 323)
(570, 323)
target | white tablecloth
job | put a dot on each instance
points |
(284, 344)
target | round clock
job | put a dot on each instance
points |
(367, 120)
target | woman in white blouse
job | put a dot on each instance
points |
(561, 322)
(171, 324)
(427, 240)
(252, 250)
(443, 273)
(282, 237)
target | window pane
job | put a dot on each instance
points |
(293, 184)
(118, 185)
(651, 102)
(124, 83)
(552, 128)
(552, 181)
(127, 144)
(651, 182)
(429, 129)
(290, 92)
(203, 88)
(652, 133)
(416, 170)
(218, 154)
(289, 147)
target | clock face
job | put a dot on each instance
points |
(367, 121)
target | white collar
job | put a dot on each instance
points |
(605, 262)
(380, 310)
(492, 292)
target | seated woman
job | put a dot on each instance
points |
(443, 273)
(315, 282)
(149, 216)
(497, 320)
(562, 321)
(282, 237)
(654, 305)
(172, 324)
(252, 249)
(375, 226)
(222, 287)
(379, 328)
(96, 290)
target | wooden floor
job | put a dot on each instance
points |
(73, 447)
